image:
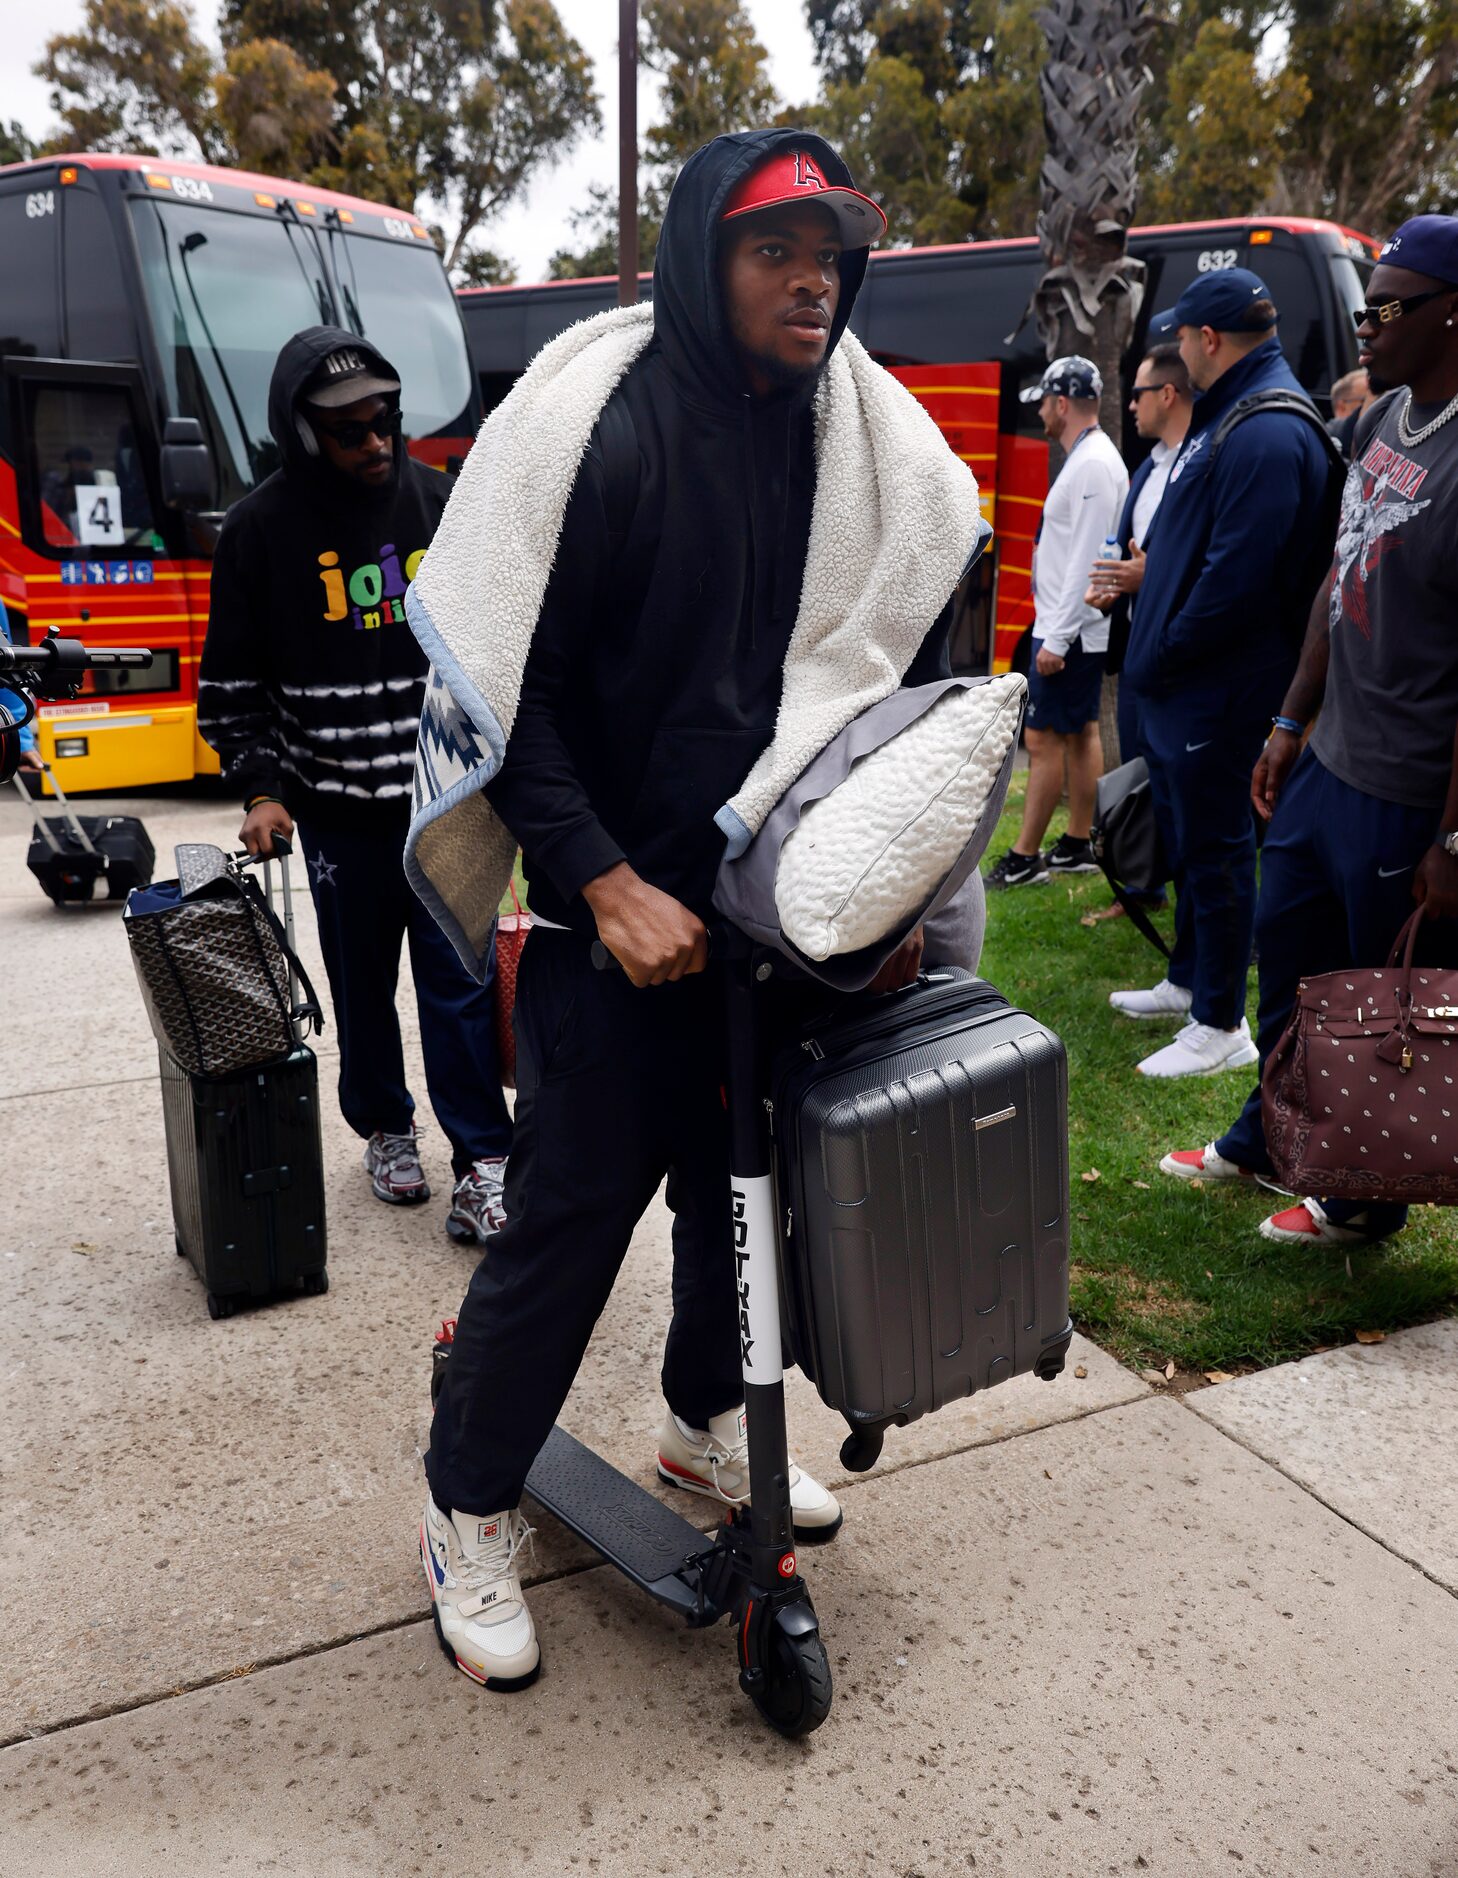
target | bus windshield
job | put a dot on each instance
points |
(399, 299)
(224, 292)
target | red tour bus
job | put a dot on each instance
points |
(142, 305)
(946, 321)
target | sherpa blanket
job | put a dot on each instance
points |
(894, 518)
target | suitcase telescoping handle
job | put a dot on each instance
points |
(280, 851)
(43, 827)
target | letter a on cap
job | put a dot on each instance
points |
(808, 175)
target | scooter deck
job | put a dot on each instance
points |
(643, 1538)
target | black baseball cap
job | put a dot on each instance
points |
(345, 376)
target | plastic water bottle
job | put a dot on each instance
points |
(1112, 550)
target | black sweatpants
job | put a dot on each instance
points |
(616, 1088)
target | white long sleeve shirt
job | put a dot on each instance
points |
(1081, 513)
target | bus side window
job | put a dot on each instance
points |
(99, 322)
(1287, 272)
(29, 310)
(88, 469)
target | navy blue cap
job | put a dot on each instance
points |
(1427, 244)
(1223, 301)
(1071, 377)
(1162, 328)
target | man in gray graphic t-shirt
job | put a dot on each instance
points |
(1364, 820)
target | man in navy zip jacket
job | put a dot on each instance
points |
(1226, 590)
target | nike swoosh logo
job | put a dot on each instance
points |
(1090, 496)
(1386, 873)
(1200, 746)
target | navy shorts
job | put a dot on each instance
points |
(1065, 701)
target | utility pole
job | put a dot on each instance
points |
(627, 152)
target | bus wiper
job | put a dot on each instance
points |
(188, 245)
(350, 288)
(317, 290)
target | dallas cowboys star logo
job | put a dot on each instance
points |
(323, 870)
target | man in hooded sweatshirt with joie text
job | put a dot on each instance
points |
(652, 686)
(309, 690)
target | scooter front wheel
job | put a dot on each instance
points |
(791, 1685)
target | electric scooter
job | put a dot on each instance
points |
(748, 1572)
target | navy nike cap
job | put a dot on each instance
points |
(1162, 328)
(1225, 301)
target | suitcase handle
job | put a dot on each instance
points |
(43, 827)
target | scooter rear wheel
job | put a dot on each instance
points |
(793, 1694)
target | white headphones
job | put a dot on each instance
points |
(309, 439)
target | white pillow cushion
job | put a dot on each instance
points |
(865, 857)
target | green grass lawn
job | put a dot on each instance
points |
(1161, 1271)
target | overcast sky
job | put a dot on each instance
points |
(528, 233)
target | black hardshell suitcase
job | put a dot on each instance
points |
(922, 1155)
(72, 855)
(245, 1161)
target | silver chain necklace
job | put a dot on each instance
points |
(1409, 438)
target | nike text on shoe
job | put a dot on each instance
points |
(1017, 870)
(476, 1207)
(714, 1461)
(393, 1165)
(1164, 1000)
(1308, 1224)
(1201, 1050)
(476, 1598)
(1068, 856)
(1202, 1164)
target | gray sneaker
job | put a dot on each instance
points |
(393, 1165)
(476, 1209)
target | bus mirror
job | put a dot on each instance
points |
(187, 465)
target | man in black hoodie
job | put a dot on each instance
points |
(652, 685)
(310, 691)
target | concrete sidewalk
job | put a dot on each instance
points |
(1079, 1628)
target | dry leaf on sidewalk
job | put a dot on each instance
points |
(1090, 1173)
(1218, 1375)
(1080, 1372)
(1153, 1375)
(1371, 1336)
(82, 1245)
(1169, 1370)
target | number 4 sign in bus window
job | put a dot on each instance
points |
(98, 514)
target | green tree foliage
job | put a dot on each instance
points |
(484, 268)
(15, 146)
(278, 115)
(934, 104)
(134, 76)
(714, 76)
(458, 100)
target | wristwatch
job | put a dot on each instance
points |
(1449, 843)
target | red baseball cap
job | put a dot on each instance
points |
(795, 176)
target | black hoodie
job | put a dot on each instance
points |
(655, 671)
(311, 680)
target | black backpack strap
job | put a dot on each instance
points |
(622, 468)
(1289, 404)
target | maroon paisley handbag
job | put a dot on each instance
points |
(1360, 1096)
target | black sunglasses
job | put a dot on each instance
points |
(352, 434)
(1386, 311)
(1138, 391)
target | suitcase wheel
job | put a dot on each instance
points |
(219, 1307)
(314, 1284)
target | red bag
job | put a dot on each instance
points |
(511, 936)
(1360, 1096)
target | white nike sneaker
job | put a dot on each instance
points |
(1163, 1000)
(714, 1461)
(1201, 1050)
(476, 1597)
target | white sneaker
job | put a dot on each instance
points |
(1201, 1050)
(478, 1210)
(476, 1597)
(714, 1461)
(1163, 1000)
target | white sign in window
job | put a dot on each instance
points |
(98, 514)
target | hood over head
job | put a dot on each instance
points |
(297, 363)
(688, 311)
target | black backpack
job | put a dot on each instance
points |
(1320, 543)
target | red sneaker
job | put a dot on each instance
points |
(1202, 1164)
(1300, 1225)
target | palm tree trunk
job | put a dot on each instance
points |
(1089, 296)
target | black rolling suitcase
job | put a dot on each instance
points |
(246, 1166)
(923, 1166)
(77, 858)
